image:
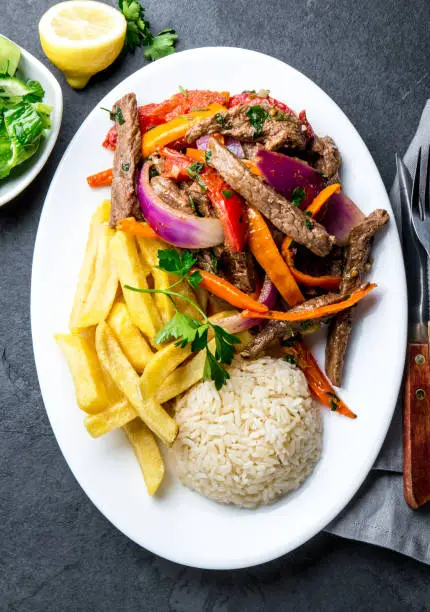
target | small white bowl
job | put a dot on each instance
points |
(25, 173)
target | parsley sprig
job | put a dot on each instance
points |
(188, 330)
(257, 116)
(139, 32)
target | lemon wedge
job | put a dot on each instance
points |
(82, 37)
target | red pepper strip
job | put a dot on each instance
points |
(110, 140)
(101, 179)
(230, 207)
(313, 208)
(318, 383)
(325, 282)
(228, 204)
(315, 313)
(228, 292)
(304, 120)
(131, 226)
(266, 252)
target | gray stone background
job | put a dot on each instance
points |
(57, 552)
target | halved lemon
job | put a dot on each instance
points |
(82, 37)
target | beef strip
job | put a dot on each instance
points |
(357, 253)
(169, 192)
(326, 157)
(128, 153)
(282, 213)
(238, 268)
(271, 331)
(283, 130)
(307, 262)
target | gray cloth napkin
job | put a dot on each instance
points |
(378, 514)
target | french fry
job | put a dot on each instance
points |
(147, 453)
(191, 373)
(149, 248)
(98, 281)
(125, 377)
(86, 372)
(118, 415)
(160, 366)
(141, 306)
(132, 342)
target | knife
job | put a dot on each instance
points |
(416, 405)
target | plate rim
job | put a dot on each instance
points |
(370, 457)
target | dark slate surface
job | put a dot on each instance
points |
(57, 552)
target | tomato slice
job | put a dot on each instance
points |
(251, 98)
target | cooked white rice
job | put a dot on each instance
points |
(254, 440)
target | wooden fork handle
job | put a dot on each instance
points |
(416, 426)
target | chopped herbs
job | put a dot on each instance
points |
(193, 171)
(188, 330)
(116, 115)
(298, 196)
(257, 116)
(214, 264)
(153, 172)
(309, 224)
(227, 193)
(306, 324)
(125, 167)
(139, 33)
(208, 155)
(183, 91)
(220, 119)
(290, 359)
(194, 206)
(333, 404)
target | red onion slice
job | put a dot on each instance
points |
(174, 226)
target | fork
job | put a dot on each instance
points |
(420, 212)
(416, 407)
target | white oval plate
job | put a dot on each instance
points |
(24, 174)
(178, 524)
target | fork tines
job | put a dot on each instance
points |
(417, 203)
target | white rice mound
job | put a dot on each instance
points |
(253, 441)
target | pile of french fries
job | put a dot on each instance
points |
(122, 379)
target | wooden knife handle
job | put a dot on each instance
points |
(416, 426)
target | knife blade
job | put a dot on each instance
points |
(417, 274)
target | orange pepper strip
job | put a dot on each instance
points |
(101, 179)
(199, 156)
(325, 282)
(229, 292)
(313, 208)
(318, 383)
(316, 313)
(266, 252)
(131, 226)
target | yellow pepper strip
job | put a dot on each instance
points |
(162, 135)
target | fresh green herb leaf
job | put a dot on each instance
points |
(183, 91)
(161, 45)
(227, 193)
(308, 213)
(290, 359)
(257, 116)
(200, 341)
(125, 167)
(170, 260)
(224, 344)
(309, 224)
(298, 196)
(181, 327)
(116, 115)
(139, 33)
(214, 371)
(194, 279)
(208, 155)
(220, 119)
(306, 324)
(333, 405)
(194, 206)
